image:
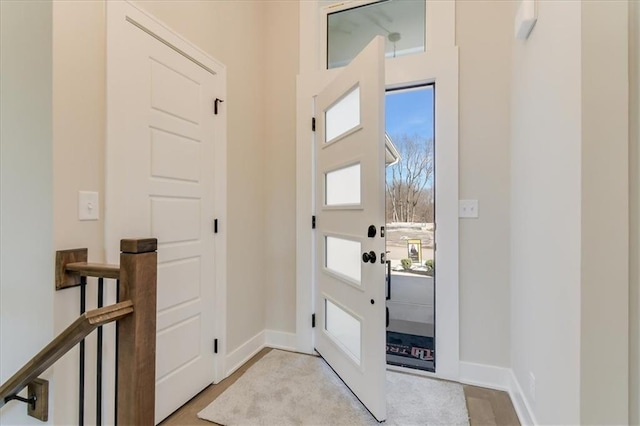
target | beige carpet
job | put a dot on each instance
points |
(285, 388)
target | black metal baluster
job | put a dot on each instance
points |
(99, 358)
(115, 410)
(83, 306)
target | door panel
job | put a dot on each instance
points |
(160, 184)
(350, 298)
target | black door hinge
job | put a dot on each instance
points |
(313, 320)
(313, 124)
(215, 346)
(215, 226)
(313, 222)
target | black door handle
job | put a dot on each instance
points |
(369, 257)
(388, 279)
(387, 317)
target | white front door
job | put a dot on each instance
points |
(350, 268)
(160, 183)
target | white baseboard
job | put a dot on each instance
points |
(266, 338)
(520, 402)
(244, 353)
(499, 378)
(486, 376)
(281, 340)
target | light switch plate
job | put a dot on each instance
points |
(468, 209)
(88, 205)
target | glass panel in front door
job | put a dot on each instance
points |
(343, 116)
(343, 258)
(344, 328)
(342, 186)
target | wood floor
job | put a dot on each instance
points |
(486, 407)
(489, 407)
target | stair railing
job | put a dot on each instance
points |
(135, 344)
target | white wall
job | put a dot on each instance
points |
(570, 224)
(484, 102)
(280, 71)
(605, 214)
(545, 212)
(634, 212)
(26, 248)
(78, 164)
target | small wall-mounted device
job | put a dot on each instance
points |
(88, 206)
(526, 18)
(468, 209)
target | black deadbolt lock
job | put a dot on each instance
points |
(372, 231)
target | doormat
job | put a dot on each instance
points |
(288, 389)
(410, 346)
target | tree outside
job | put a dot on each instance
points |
(409, 185)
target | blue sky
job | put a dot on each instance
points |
(410, 112)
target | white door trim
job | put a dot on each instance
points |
(440, 66)
(124, 10)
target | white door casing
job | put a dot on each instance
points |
(350, 298)
(438, 65)
(165, 179)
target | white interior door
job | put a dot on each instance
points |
(350, 291)
(160, 183)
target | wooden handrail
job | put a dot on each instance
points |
(72, 264)
(99, 270)
(66, 340)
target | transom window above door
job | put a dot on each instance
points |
(351, 26)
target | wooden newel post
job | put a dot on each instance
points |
(137, 333)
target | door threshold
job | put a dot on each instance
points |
(413, 371)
